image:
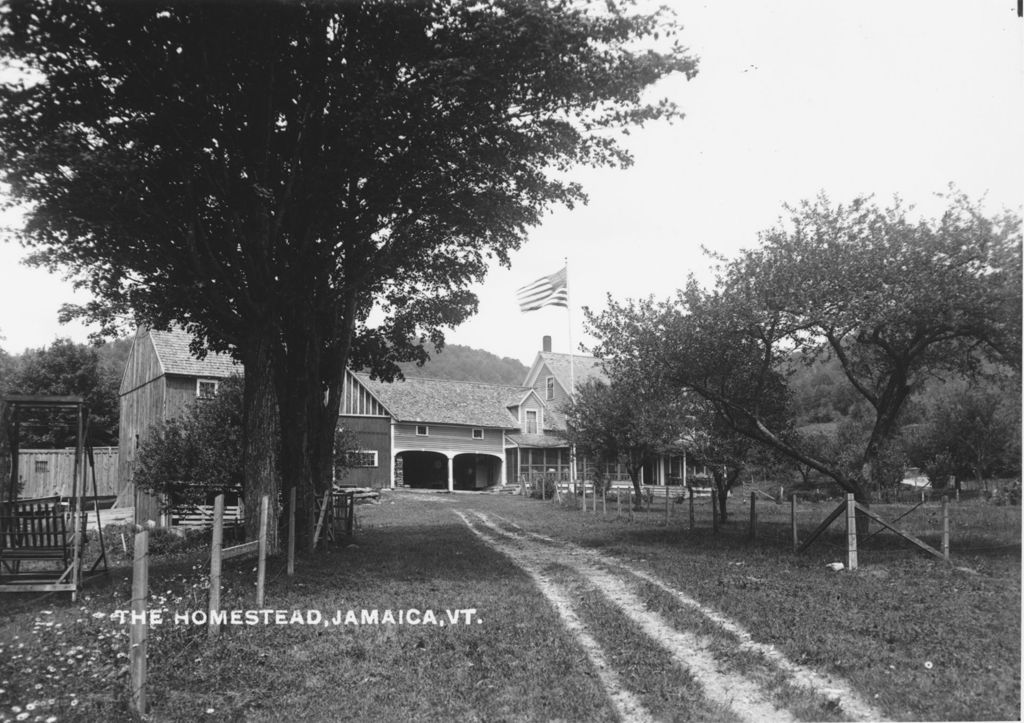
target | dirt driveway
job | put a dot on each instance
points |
(759, 689)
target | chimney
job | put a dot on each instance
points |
(547, 343)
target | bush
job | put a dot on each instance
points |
(939, 469)
(1007, 495)
(546, 485)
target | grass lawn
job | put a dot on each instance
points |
(921, 640)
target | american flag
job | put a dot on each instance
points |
(550, 290)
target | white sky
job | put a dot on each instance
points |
(793, 97)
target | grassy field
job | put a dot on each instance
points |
(920, 639)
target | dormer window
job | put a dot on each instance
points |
(206, 388)
(531, 421)
(549, 385)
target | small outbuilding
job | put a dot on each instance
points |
(161, 379)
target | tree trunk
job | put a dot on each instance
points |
(260, 440)
(634, 477)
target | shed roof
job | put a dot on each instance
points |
(172, 349)
(538, 440)
(445, 401)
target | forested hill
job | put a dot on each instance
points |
(467, 364)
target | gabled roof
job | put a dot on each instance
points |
(519, 397)
(444, 401)
(563, 367)
(172, 349)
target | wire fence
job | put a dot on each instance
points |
(977, 524)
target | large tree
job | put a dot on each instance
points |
(894, 300)
(627, 420)
(267, 173)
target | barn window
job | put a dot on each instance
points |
(42, 466)
(549, 384)
(478, 434)
(422, 430)
(206, 388)
(362, 458)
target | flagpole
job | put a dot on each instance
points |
(572, 374)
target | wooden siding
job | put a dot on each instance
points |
(532, 404)
(374, 434)
(59, 464)
(139, 410)
(449, 438)
(142, 365)
(142, 396)
(181, 393)
(356, 400)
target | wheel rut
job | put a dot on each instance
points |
(748, 695)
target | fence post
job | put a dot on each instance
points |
(350, 513)
(691, 508)
(714, 510)
(137, 652)
(753, 516)
(945, 527)
(583, 490)
(216, 545)
(618, 504)
(604, 500)
(629, 502)
(261, 569)
(668, 509)
(851, 532)
(792, 521)
(291, 532)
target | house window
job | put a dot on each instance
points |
(478, 434)
(531, 421)
(549, 384)
(206, 388)
(421, 430)
(42, 466)
(362, 458)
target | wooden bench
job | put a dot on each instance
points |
(34, 530)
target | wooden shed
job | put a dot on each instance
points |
(161, 379)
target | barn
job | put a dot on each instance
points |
(161, 379)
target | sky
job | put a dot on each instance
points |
(793, 98)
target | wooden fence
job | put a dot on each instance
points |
(49, 472)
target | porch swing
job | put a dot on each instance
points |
(47, 532)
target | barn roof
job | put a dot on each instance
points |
(444, 401)
(172, 349)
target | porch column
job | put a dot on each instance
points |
(391, 450)
(661, 470)
(451, 473)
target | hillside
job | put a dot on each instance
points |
(467, 364)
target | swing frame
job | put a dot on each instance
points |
(47, 530)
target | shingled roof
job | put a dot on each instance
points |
(444, 401)
(582, 369)
(175, 358)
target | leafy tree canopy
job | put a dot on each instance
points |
(64, 368)
(892, 300)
